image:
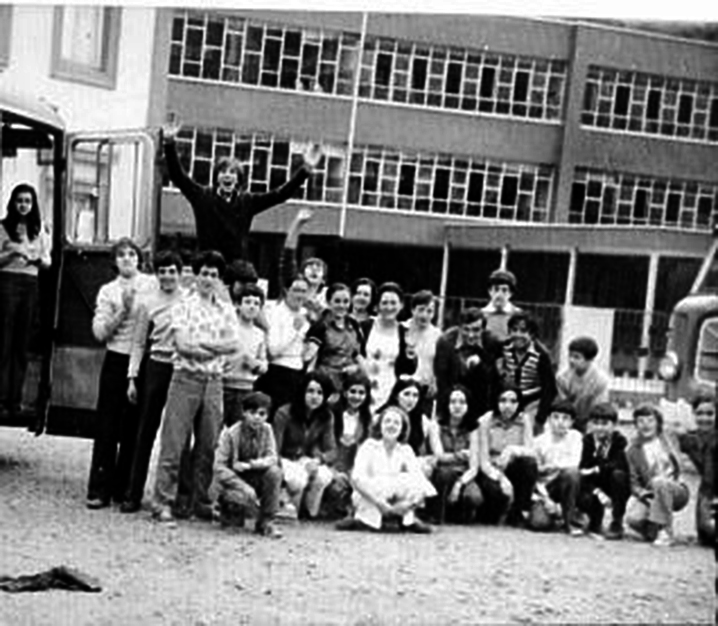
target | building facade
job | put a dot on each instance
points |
(580, 156)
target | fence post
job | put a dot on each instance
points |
(648, 313)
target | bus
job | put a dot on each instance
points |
(94, 187)
(690, 364)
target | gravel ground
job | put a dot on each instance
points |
(200, 574)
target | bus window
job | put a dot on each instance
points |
(110, 191)
(707, 352)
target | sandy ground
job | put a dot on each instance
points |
(199, 574)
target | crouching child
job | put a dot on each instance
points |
(604, 472)
(246, 469)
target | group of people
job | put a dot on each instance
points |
(334, 401)
(317, 405)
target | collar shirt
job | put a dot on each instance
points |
(285, 344)
(204, 320)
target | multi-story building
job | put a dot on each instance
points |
(582, 156)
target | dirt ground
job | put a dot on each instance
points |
(199, 574)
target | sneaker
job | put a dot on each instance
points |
(287, 512)
(204, 512)
(574, 531)
(663, 539)
(164, 515)
(97, 503)
(615, 531)
(418, 527)
(268, 529)
(130, 506)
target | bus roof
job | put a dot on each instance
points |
(30, 109)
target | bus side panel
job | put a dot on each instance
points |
(76, 376)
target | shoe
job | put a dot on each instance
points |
(267, 529)
(351, 523)
(204, 512)
(164, 515)
(574, 531)
(615, 531)
(130, 506)
(288, 512)
(663, 539)
(418, 528)
(97, 503)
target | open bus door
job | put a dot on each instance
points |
(111, 191)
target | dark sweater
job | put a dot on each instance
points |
(221, 224)
(296, 439)
(614, 459)
(450, 369)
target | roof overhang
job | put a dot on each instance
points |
(29, 110)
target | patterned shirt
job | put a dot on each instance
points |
(209, 320)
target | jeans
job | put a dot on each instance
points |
(470, 499)
(522, 473)
(280, 384)
(115, 432)
(669, 496)
(194, 405)
(564, 490)
(233, 405)
(156, 382)
(242, 490)
(18, 298)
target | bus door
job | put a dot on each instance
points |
(110, 193)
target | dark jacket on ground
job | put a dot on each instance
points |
(614, 458)
(450, 369)
(221, 224)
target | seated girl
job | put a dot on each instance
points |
(304, 431)
(507, 465)
(424, 436)
(387, 478)
(457, 467)
(656, 489)
(352, 424)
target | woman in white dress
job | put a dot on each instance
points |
(388, 481)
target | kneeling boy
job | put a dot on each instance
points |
(604, 471)
(246, 467)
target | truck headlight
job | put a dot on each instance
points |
(669, 367)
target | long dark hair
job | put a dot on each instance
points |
(32, 220)
(416, 426)
(357, 378)
(508, 386)
(299, 406)
(470, 420)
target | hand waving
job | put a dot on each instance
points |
(171, 128)
(313, 155)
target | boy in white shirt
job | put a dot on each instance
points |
(244, 367)
(558, 452)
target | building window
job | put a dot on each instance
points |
(234, 50)
(461, 79)
(629, 200)
(85, 44)
(268, 161)
(5, 34)
(449, 185)
(653, 105)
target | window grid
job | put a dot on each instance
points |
(236, 50)
(461, 79)
(629, 200)
(379, 177)
(449, 185)
(268, 161)
(654, 105)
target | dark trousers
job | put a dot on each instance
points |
(564, 489)
(156, 382)
(18, 301)
(115, 434)
(464, 510)
(279, 383)
(522, 473)
(233, 405)
(235, 494)
(615, 485)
